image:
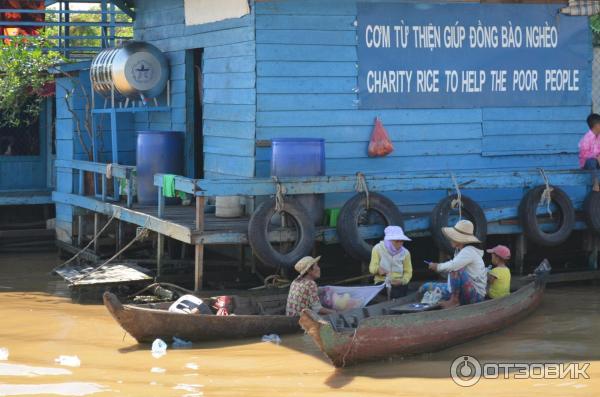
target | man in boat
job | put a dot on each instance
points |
(467, 275)
(391, 258)
(303, 291)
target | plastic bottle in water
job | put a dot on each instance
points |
(159, 348)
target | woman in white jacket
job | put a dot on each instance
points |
(467, 275)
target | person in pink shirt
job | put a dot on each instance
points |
(589, 149)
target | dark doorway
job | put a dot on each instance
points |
(194, 143)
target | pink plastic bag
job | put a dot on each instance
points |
(380, 144)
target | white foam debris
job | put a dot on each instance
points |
(68, 361)
(158, 370)
(3, 354)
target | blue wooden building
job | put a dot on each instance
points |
(292, 68)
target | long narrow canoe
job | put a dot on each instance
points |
(375, 333)
(148, 322)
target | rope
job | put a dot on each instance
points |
(88, 245)
(361, 186)
(458, 200)
(279, 202)
(143, 234)
(547, 193)
(187, 291)
(274, 281)
(350, 346)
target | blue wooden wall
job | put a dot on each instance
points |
(229, 80)
(306, 63)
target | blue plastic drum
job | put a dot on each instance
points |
(158, 152)
(301, 157)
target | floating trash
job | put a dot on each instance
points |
(273, 338)
(159, 348)
(191, 366)
(180, 343)
(3, 353)
(68, 361)
(158, 370)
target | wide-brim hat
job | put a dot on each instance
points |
(393, 233)
(304, 264)
(462, 232)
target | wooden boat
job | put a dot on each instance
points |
(376, 332)
(254, 316)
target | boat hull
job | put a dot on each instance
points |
(379, 337)
(146, 325)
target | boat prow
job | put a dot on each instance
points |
(382, 333)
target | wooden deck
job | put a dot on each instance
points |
(178, 222)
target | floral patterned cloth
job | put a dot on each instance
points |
(589, 147)
(303, 295)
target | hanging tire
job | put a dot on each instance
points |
(350, 214)
(441, 214)
(528, 217)
(591, 211)
(258, 234)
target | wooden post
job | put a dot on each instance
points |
(160, 249)
(520, 251)
(80, 217)
(199, 254)
(160, 242)
(129, 188)
(119, 238)
(96, 228)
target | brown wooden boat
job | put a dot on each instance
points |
(254, 316)
(378, 332)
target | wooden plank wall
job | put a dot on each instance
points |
(306, 56)
(229, 80)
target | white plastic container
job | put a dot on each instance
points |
(228, 207)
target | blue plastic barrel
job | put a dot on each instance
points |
(301, 157)
(158, 152)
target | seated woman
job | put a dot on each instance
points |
(304, 291)
(467, 275)
(391, 257)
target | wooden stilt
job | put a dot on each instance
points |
(520, 251)
(80, 231)
(119, 238)
(199, 255)
(96, 228)
(160, 249)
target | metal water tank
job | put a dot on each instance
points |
(136, 69)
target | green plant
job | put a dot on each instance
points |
(24, 76)
(595, 26)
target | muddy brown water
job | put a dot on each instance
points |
(39, 323)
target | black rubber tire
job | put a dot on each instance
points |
(347, 229)
(441, 214)
(591, 211)
(528, 217)
(259, 240)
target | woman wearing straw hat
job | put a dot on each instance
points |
(303, 291)
(467, 275)
(390, 257)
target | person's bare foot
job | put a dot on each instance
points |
(452, 302)
(596, 187)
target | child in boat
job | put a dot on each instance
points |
(391, 257)
(467, 275)
(499, 277)
(589, 149)
(304, 291)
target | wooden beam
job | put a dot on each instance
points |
(199, 252)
